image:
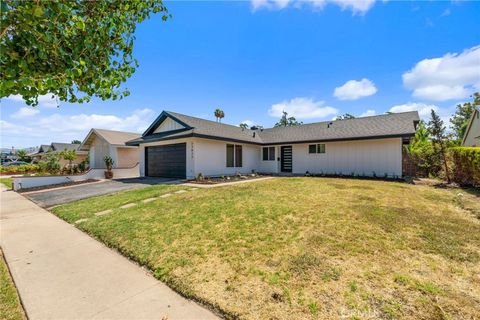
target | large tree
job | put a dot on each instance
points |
(287, 121)
(439, 136)
(74, 49)
(462, 115)
(345, 116)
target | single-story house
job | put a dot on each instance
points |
(472, 134)
(57, 147)
(100, 143)
(42, 150)
(181, 146)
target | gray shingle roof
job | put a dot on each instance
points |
(387, 125)
(395, 124)
(59, 146)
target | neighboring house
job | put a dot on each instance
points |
(181, 146)
(57, 147)
(100, 143)
(472, 134)
(37, 156)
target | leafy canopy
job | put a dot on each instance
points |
(287, 121)
(345, 116)
(73, 49)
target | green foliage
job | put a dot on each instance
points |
(70, 156)
(462, 115)
(286, 121)
(243, 125)
(219, 114)
(73, 50)
(466, 165)
(108, 162)
(23, 156)
(422, 152)
(76, 142)
(50, 163)
(439, 137)
(30, 168)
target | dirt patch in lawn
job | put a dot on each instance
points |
(307, 248)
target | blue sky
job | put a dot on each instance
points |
(253, 59)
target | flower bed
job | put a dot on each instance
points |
(27, 168)
(224, 179)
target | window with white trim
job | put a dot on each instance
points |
(268, 153)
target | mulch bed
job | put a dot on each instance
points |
(52, 186)
(226, 179)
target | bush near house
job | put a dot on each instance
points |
(466, 165)
(27, 168)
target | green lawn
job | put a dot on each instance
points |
(296, 248)
(7, 182)
(10, 308)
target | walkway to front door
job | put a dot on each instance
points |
(286, 159)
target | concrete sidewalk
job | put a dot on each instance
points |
(62, 273)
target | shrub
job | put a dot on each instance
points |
(466, 165)
(20, 169)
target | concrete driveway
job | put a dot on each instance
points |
(53, 197)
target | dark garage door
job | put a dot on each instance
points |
(168, 161)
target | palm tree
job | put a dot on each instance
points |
(219, 114)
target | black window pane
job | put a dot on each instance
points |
(238, 156)
(312, 148)
(321, 148)
(271, 153)
(229, 155)
(265, 154)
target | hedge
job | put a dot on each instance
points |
(466, 165)
(20, 169)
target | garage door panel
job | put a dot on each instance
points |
(167, 161)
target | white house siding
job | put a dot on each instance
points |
(363, 157)
(100, 149)
(190, 160)
(168, 125)
(211, 157)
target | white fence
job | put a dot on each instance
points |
(32, 182)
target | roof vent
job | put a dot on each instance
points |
(329, 124)
(253, 128)
(254, 134)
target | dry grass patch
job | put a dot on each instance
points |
(299, 248)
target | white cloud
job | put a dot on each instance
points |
(453, 76)
(368, 113)
(302, 108)
(356, 6)
(249, 123)
(64, 128)
(422, 108)
(445, 13)
(353, 90)
(25, 112)
(45, 101)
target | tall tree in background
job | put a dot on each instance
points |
(462, 115)
(287, 121)
(219, 114)
(243, 125)
(23, 156)
(437, 130)
(74, 49)
(76, 142)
